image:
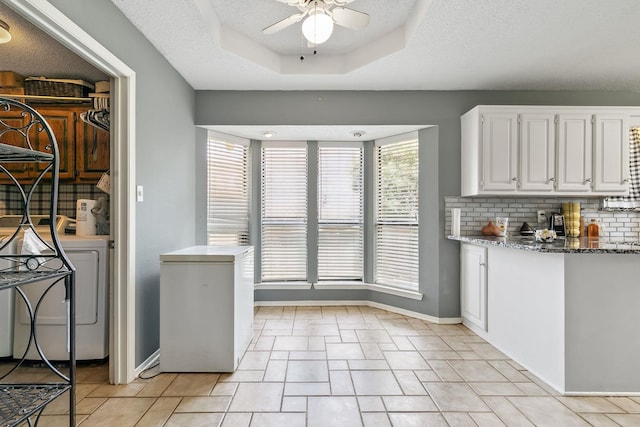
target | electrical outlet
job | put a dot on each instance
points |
(542, 216)
(139, 193)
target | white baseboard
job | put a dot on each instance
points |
(328, 303)
(151, 361)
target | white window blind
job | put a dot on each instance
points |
(397, 213)
(340, 212)
(228, 190)
(284, 211)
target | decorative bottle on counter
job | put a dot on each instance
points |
(593, 229)
(571, 213)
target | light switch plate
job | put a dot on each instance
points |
(542, 216)
(139, 193)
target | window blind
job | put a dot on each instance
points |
(340, 212)
(228, 190)
(284, 212)
(397, 214)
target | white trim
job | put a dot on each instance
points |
(307, 303)
(405, 137)
(332, 303)
(600, 393)
(151, 361)
(421, 316)
(395, 291)
(284, 144)
(122, 317)
(340, 285)
(340, 144)
(225, 137)
(282, 285)
(404, 293)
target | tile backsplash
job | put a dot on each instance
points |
(477, 211)
(68, 194)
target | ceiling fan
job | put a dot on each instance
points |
(320, 17)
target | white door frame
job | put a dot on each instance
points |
(122, 295)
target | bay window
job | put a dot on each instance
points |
(317, 220)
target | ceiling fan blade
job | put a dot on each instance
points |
(350, 18)
(281, 25)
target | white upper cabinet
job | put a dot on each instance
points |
(499, 152)
(537, 152)
(545, 150)
(575, 147)
(611, 152)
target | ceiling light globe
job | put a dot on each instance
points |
(317, 28)
(5, 35)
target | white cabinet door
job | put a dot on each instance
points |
(473, 285)
(611, 154)
(575, 148)
(499, 152)
(537, 152)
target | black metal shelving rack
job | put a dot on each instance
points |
(25, 402)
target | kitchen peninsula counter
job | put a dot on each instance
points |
(579, 245)
(566, 311)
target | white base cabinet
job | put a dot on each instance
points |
(473, 285)
(545, 150)
(206, 308)
(570, 319)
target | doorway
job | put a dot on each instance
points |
(122, 295)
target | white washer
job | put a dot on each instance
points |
(90, 256)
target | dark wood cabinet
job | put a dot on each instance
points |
(63, 125)
(84, 149)
(92, 152)
(9, 136)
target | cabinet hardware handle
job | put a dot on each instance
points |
(626, 180)
(514, 179)
(587, 180)
(552, 179)
(482, 264)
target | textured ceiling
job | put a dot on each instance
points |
(31, 52)
(444, 45)
(455, 44)
(289, 41)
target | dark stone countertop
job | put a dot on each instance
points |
(567, 245)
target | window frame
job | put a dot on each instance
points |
(218, 137)
(410, 224)
(282, 221)
(343, 223)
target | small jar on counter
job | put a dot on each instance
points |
(593, 229)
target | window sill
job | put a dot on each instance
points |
(282, 285)
(371, 287)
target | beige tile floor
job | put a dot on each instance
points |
(346, 366)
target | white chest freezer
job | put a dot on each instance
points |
(206, 308)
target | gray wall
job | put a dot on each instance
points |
(165, 154)
(440, 282)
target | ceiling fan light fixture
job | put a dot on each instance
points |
(317, 27)
(5, 35)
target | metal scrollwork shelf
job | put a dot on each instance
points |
(26, 138)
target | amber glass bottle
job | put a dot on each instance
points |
(593, 230)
